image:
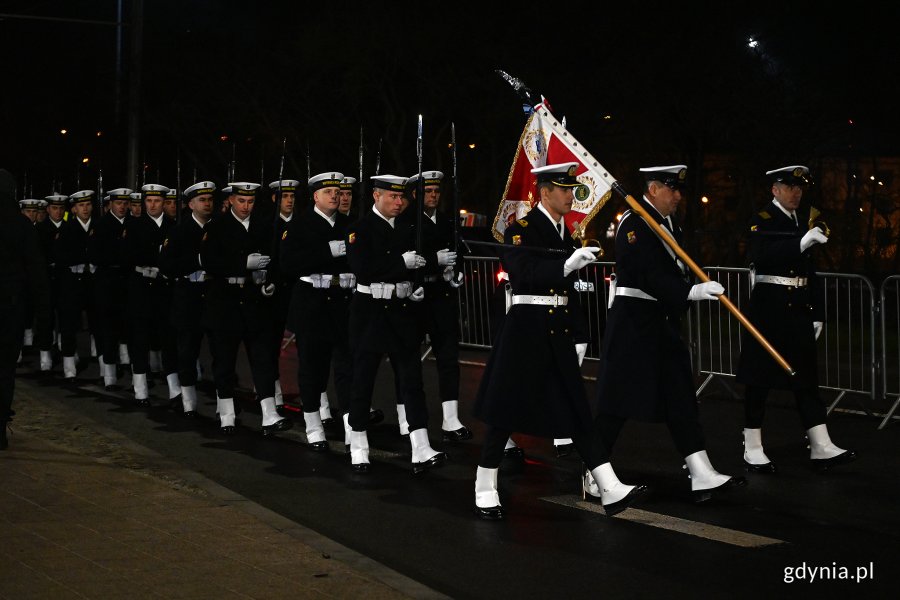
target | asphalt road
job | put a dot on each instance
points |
(796, 525)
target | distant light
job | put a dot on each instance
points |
(607, 117)
(224, 138)
(704, 200)
(752, 43)
(501, 275)
(871, 178)
(860, 209)
(619, 217)
(471, 146)
(881, 183)
(450, 145)
(850, 121)
(64, 131)
(463, 211)
(85, 160)
(99, 134)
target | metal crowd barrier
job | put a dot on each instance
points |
(890, 343)
(849, 362)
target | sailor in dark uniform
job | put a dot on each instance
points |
(106, 251)
(283, 196)
(645, 370)
(439, 311)
(381, 253)
(234, 253)
(136, 205)
(314, 255)
(31, 208)
(345, 195)
(22, 275)
(76, 279)
(170, 204)
(180, 262)
(532, 382)
(786, 305)
(150, 294)
(48, 234)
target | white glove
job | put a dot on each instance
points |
(812, 237)
(446, 258)
(817, 327)
(338, 248)
(447, 275)
(259, 277)
(403, 289)
(413, 260)
(708, 290)
(460, 280)
(257, 261)
(418, 295)
(267, 290)
(581, 350)
(582, 257)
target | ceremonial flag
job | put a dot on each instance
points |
(546, 141)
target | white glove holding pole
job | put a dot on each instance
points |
(581, 258)
(708, 290)
(257, 261)
(268, 290)
(446, 258)
(817, 328)
(413, 260)
(813, 236)
(418, 295)
(581, 350)
(338, 248)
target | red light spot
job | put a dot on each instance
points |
(501, 275)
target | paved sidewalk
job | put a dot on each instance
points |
(85, 513)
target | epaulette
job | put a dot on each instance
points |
(764, 214)
(522, 222)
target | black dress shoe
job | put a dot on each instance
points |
(376, 416)
(457, 435)
(514, 452)
(615, 508)
(438, 460)
(824, 464)
(279, 408)
(564, 450)
(142, 402)
(769, 467)
(361, 467)
(494, 513)
(319, 446)
(701, 496)
(176, 403)
(191, 414)
(282, 425)
(327, 422)
(228, 430)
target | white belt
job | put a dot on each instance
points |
(778, 280)
(196, 277)
(236, 280)
(345, 281)
(82, 268)
(149, 272)
(554, 300)
(403, 289)
(633, 293)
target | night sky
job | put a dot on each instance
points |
(677, 81)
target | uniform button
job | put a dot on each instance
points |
(551, 332)
(567, 331)
(565, 293)
(551, 291)
(566, 310)
(789, 304)
(550, 311)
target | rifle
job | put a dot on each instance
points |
(98, 205)
(362, 187)
(178, 207)
(455, 243)
(420, 193)
(378, 159)
(280, 178)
